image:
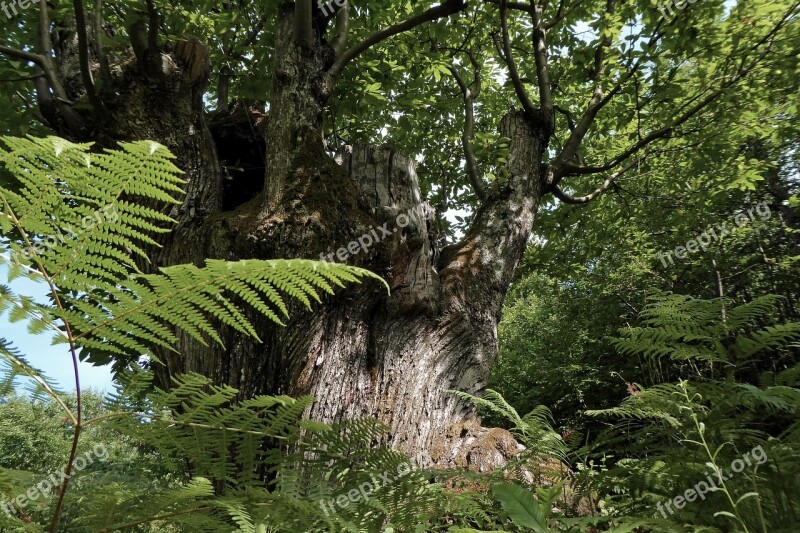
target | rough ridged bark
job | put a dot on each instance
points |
(365, 353)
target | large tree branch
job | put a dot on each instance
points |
(470, 95)
(570, 169)
(508, 58)
(604, 45)
(342, 28)
(542, 74)
(31, 57)
(303, 29)
(45, 47)
(581, 200)
(42, 62)
(597, 103)
(575, 170)
(49, 106)
(83, 58)
(445, 9)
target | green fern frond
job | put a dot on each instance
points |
(78, 220)
(79, 215)
(141, 312)
(13, 365)
(705, 331)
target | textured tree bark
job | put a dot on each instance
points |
(363, 352)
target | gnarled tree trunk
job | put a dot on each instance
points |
(364, 352)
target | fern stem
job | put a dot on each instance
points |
(76, 435)
(711, 457)
(758, 505)
(73, 352)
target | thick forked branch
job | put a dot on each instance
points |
(303, 33)
(470, 95)
(481, 266)
(445, 9)
(83, 58)
(508, 57)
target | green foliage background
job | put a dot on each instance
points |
(646, 391)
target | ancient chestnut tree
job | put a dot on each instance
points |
(301, 127)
